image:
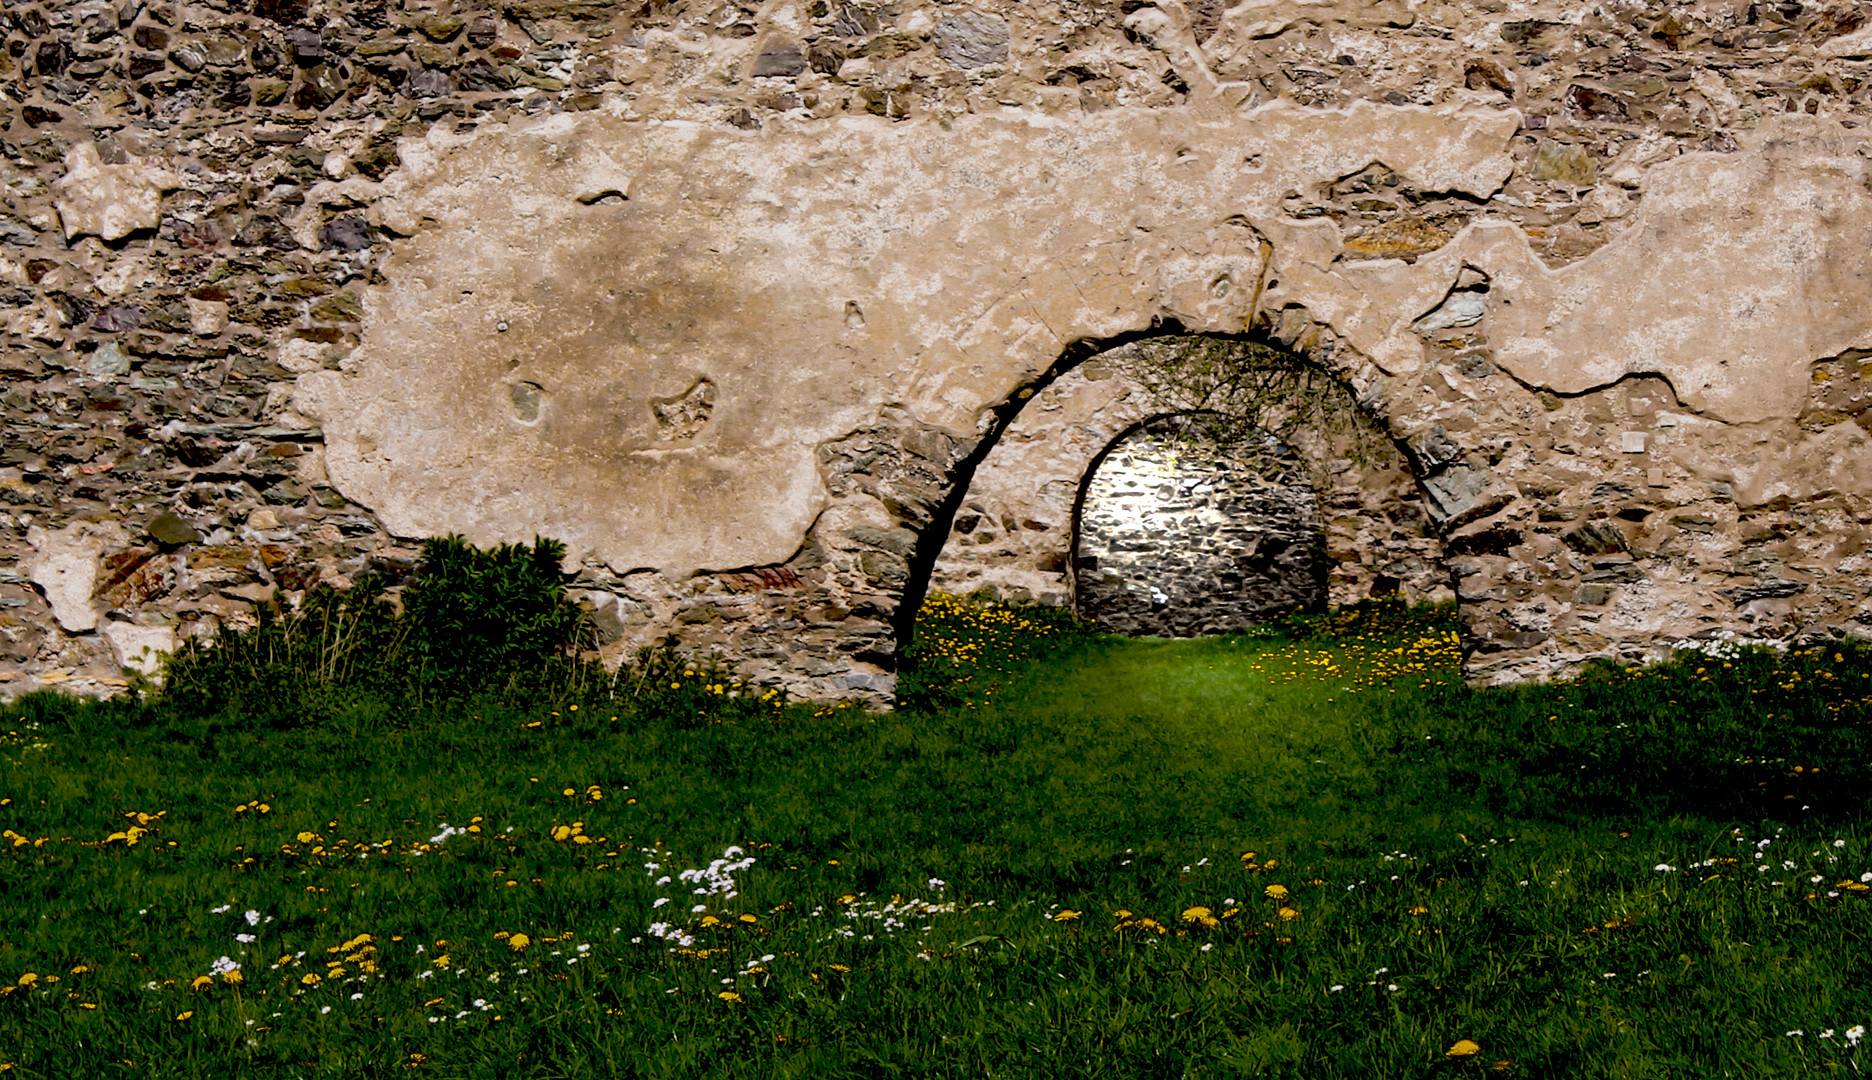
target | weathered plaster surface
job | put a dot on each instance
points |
(813, 276)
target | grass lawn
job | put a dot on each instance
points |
(1307, 854)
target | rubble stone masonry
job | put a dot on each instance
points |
(734, 299)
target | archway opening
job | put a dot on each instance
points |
(1011, 522)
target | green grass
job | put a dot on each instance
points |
(1304, 854)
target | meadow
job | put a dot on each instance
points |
(1309, 851)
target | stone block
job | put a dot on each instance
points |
(109, 201)
(139, 648)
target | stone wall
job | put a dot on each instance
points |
(1181, 536)
(734, 299)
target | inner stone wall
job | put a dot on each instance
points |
(735, 299)
(1181, 536)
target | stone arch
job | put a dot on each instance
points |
(1097, 406)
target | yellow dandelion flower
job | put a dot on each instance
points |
(185, 1014)
(519, 942)
(729, 996)
(1287, 914)
(1463, 1048)
(201, 982)
(1276, 892)
(1066, 915)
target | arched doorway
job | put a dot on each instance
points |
(1014, 508)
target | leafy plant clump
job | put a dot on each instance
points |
(497, 617)
(472, 621)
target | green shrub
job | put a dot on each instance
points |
(291, 666)
(472, 622)
(479, 620)
(492, 626)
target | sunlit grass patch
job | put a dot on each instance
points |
(1380, 645)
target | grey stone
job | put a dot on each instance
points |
(191, 57)
(15, 233)
(108, 359)
(853, 21)
(117, 318)
(1596, 538)
(1434, 447)
(430, 83)
(783, 62)
(320, 86)
(1768, 590)
(350, 233)
(929, 444)
(1566, 164)
(883, 568)
(1623, 573)
(1456, 489)
(307, 47)
(972, 39)
(1463, 308)
(896, 541)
